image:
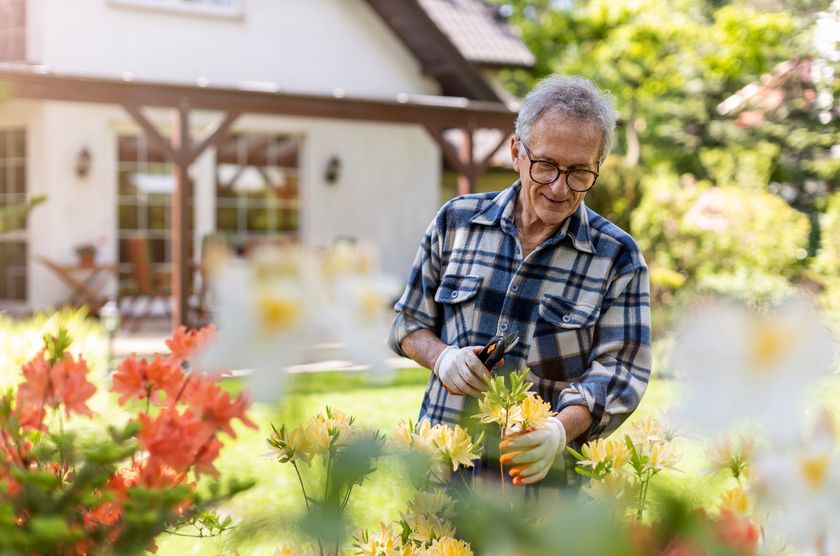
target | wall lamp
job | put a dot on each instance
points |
(84, 161)
(332, 170)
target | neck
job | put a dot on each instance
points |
(532, 231)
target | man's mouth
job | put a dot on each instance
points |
(550, 200)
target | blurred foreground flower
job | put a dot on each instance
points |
(275, 307)
(799, 488)
(739, 363)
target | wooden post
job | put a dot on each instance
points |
(466, 174)
(181, 263)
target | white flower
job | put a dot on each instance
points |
(800, 489)
(740, 364)
(266, 313)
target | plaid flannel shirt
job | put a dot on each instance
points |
(580, 303)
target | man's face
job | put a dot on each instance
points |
(566, 142)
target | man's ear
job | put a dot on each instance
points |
(514, 153)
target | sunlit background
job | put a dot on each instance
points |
(269, 167)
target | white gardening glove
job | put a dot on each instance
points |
(534, 453)
(460, 371)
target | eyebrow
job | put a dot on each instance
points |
(583, 165)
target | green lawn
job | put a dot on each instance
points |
(267, 512)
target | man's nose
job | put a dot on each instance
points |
(559, 186)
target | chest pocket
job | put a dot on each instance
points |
(456, 295)
(562, 340)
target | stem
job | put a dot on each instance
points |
(302, 488)
(503, 435)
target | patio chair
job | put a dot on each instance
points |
(148, 285)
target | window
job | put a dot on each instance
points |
(13, 192)
(13, 30)
(144, 199)
(257, 187)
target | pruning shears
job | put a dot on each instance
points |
(495, 349)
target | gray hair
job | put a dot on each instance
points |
(571, 97)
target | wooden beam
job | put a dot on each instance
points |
(444, 112)
(181, 261)
(449, 151)
(152, 134)
(214, 137)
(482, 164)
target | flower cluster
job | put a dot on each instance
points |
(331, 429)
(445, 447)
(425, 530)
(122, 492)
(618, 468)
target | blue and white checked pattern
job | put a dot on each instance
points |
(580, 303)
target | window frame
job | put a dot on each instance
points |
(17, 235)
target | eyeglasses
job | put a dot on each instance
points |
(546, 173)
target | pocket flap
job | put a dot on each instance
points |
(560, 312)
(457, 289)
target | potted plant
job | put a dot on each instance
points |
(86, 253)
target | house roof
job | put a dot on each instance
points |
(479, 33)
(452, 39)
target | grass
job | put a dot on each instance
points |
(268, 512)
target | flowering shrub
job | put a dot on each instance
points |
(61, 493)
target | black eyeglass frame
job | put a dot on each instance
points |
(560, 171)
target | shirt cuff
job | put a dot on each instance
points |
(592, 398)
(402, 326)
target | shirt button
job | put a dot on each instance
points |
(454, 294)
(567, 318)
(503, 327)
(514, 288)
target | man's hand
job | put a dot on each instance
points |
(534, 453)
(461, 372)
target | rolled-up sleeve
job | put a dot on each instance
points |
(416, 307)
(620, 359)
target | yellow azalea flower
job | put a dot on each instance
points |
(425, 528)
(736, 501)
(723, 454)
(292, 446)
(662, 455)
(456, 445)
(403, 436)
(432, 502)
(534, 411)
(448, 546)
(318, 434)
(386, 542)
(610, 487)
(649, 429)
(613, 451)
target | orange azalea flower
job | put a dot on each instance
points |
(184, 343)
(141, 379)
(48, 385)
(172, 438)
(214, 405)
(738, 533)
(71, 387)
(207, 454)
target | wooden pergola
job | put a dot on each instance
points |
(436, 114)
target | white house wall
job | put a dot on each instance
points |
(386, 193)
(310, 46)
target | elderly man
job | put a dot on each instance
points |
(535, 261)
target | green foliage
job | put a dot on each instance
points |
(827, 261)
(699, 231)
(13, 217)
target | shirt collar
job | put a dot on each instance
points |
(501, 211)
